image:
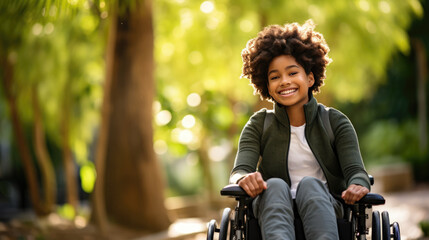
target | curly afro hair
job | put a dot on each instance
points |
(307, 46)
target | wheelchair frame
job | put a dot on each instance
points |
(357, 220)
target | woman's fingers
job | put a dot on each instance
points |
(248, 187)
(253, 184)
(354, 193)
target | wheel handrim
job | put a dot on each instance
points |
(224, 223)
(385, 225)
(376, 229)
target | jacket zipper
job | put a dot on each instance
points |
(287, 154)
(311, 148)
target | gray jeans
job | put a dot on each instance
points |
(317, 208)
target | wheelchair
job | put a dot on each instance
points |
(356, 223)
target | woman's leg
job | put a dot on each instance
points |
(274, 210)
(317, 209)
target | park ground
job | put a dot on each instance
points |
(408, 208)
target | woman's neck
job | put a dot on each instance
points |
(296, 116)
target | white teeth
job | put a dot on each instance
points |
(287, 91)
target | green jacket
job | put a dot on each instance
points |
(342, 166)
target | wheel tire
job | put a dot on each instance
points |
(224, 223)
(396, 231)
(386, 225)
(211, 229)
(376, 228)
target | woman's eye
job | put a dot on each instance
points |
(274, 78)
(293, 73)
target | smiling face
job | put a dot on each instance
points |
(288, 83)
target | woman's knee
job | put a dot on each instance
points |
(277, 188)
(311, 186)
(276, 196)
(277, 184)
(310, 180)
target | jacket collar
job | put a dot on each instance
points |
(310, 110)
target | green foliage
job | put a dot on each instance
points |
(388, 142)
(424, 225)
(394, 105)
(67, 211)
(56, 49)
(183, 175)
(88, 176)
(10, 29)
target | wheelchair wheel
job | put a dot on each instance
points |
(386, 225)
(224, 223)
(376, 229)
(396, 231)
(211, 229)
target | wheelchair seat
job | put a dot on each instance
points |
(240, 224)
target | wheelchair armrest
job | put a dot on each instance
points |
(233, 190)
(372, 199)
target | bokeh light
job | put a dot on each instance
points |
(193, 99)
(163, 118)
(188, 121)
(207, 7)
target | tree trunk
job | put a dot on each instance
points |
(133, 183)
(69, 165)
(99, 215)
(205, 168)
(421, 91)
(23, 147)
(42, 155)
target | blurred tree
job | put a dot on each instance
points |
(421, 59)
(129, 186)
(62, 95)
(52, 67)
(13, 36)
(420, 43)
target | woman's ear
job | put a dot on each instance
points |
(310, 78)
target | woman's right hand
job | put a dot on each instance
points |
(253, 184)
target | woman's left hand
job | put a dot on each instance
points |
(354, 193)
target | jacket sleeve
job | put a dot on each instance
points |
(249, 145)
(348, 151)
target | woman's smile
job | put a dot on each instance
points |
(288, 92)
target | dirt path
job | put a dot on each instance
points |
(408, 208)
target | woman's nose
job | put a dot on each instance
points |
(284, 81)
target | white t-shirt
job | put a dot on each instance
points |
(301, 160)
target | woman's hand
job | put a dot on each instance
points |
(354, 193)
(253, 184)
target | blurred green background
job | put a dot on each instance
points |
(53, 63)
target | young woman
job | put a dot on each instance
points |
(299, 170)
